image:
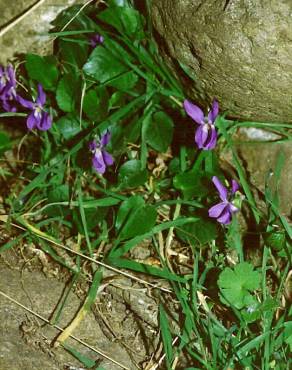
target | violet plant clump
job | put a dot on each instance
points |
(224, 210)
(38, 118)
(206, 135)
(101, 158)
(8, 84)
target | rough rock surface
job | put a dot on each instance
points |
(260, 166)
(259, 153)
(28, 34)
(25, 341)
(239, 51)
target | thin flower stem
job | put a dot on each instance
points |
(183, 158)
(179, 103)
(74, 17)
(169, 237)
(81, 102)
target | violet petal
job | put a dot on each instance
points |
(225, 218)
(45, 122)
(31, 121)
(98, 162)
(108, 159)
(235, 186)
(214, 111)
(7, 106)
(217, 210)
(221, 188)
(212, 138)
(194, 112)
(105, 138)
(41, 98)
(199, 136)
(232, 208)
(92, 146)
(11, 74)
(25, 103)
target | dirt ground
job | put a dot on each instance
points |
(122, 324)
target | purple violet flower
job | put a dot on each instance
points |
(101, 158)
(224, 210)
(8, 88)
(206, 135)
(95, 40)
(38, 118)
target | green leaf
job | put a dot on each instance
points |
(116, 100)
(135, 217)
(126, 207)
(125, 82)
(252, 344)
(73, 53)
(66, 95)
(201, 231)
(275, 240)
(144, 269)
(159, 132)
(288, 333)
(95, 103)
(125, 19)
(252, 311)
(139, 222)
(192, 183)
(68, 126)
(103, 66)
(131, 175)
(133, 130)
(103, 202)
(42, 69)
(236, 284)
(93, 217)
(269, 305)
(5, 142)
(122, 249)
(59, 194)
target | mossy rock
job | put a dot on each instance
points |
(238, 51)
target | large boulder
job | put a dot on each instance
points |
(240, 51)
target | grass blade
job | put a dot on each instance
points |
(83, 310)
(166, 336)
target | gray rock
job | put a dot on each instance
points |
(25, 340)
(259, 157)
(259, 166)
(29, 34)
(240, 51)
